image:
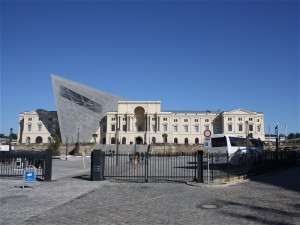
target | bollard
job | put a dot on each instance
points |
(200, 166)
(96, 174)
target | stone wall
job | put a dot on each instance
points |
(87, 148)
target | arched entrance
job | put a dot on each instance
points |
(186, 141)
(124, 141)
(140, 119)
(175, 141)
(39, 140)
(153, 140)
(139, 140)
(112, 141)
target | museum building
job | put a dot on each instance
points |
(85, 114)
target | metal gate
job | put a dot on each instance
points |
(146, 166)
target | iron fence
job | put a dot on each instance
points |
(12, 164)
(271, 160)
(148, 166)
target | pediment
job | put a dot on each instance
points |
(240, 112)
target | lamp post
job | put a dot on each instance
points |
(66, 148)
(10, 138)
(276, 133)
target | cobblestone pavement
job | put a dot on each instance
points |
(269, 199)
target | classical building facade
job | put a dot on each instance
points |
(37, 126)
(141, 122)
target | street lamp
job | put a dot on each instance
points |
(66, 148)
(10, 138)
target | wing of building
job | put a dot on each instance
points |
(80, 108)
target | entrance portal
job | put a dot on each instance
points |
(139, 140)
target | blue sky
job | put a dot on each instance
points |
(191, 55)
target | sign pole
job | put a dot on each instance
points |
(207, 146)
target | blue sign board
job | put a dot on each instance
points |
(29, 176)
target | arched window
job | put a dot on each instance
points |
(186, 141)
(175, 141)
(28, 140)
(104, 141)
(124, 141)
(39, 140)
(112, 141)
(196, 140)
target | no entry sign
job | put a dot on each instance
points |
(207, 133)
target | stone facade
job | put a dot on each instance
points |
(37, 126)
(142, 122)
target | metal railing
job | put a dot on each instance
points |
(12, 164)
(147, 166)
(268, 162)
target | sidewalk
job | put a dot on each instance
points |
(70, 180)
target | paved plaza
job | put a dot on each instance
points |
(72, 199)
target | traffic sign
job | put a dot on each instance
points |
(207, 133)
(207, 143)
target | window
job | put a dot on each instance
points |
(153, 127)
(40, 127)
(257, 120)
(29, 127)
(229, 127)
(50, 119)
(153, 118)
(175, 120)
(250, 119)
(186, 128)
(30, 119)
(206, 127)
(229, 119)
(196, 128)
(165, 127)
(165, 119)
(49, 127)
(250, 127)
(258, 128)
(40, 119)
(186, 120)
(124, 127)
(196, 120)
(240, 119)
(206, 120)
(104, 129)
(113, 119)
(241, 127)
(175, 129)
(124, 119)
(140, 128)
(196, 140)
(113, 127)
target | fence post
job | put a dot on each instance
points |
(227, 160)
(48, 165)
(96, 171)
(200, 166)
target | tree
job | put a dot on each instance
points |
(291, 136)
(95, 136)
(14, 136)
(1, 135)
(55, 140)
(165, 136)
